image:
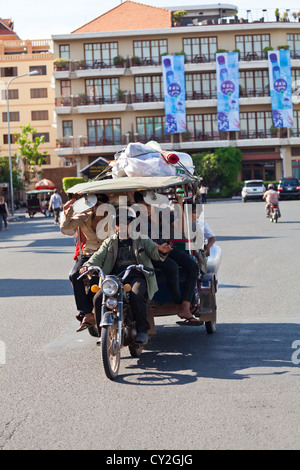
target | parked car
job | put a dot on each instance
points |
(289, 188)
(253, 189)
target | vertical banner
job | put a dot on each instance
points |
(227, 71)
(174, 93)
(280, 78)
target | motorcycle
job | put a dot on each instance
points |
(115, 323)
(274, 213)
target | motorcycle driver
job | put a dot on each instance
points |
(113, 256)
(271, 197)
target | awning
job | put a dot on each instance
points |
(261, 157)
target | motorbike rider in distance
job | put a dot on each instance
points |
(272, 199)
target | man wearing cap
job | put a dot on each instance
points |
(114, 255)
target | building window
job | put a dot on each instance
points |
(67, 127)
(42, 69)
(13, 138)
(252, 44)
(258, 170)
(100, 54)
(13, 116)
(295, 131)
(255, 125)
(293, 40)
(152, 128)
(296, 168)
(254, 83)
(202, 126)
(102, 90)
(148, 88)
(150, 49)
(12, 94)
(64, 51)
(39, 115)
(40, 134)
(9, 71)
(201, 85)
(65, 87)
(196, 49)
(104, 131)
(38, 93)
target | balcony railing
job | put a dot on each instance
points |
(85, 100)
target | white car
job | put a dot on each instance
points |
(253, 189)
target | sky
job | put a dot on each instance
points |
(40, 19)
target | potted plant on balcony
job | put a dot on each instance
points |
(121, 96)
(119, 61)
(177, 17)
(135, 60)
(277, 14)
(266, 49)
(61, 64)
(82, 99)
(80, 64)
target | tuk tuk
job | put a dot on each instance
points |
(38, 201)
(161, 304)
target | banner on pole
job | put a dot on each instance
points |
(227, 71)
(280, 78)
(174, 93)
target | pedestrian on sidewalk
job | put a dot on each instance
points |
(55, 204)
(3, 213)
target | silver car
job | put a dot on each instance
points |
(253, 189)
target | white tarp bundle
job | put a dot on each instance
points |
(150, 160)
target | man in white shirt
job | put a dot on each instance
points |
(55, 205)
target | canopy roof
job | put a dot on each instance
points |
(128, 184)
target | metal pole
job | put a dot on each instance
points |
(9, 153)
(34, 72)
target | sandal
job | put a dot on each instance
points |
(190, 321)
(87, 323)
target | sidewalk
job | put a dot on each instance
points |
(19, 215)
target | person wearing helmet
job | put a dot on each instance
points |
(271, 197)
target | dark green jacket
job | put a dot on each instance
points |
(144, 249)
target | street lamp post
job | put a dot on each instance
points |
(34, 72)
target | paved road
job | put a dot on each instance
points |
(235, 389)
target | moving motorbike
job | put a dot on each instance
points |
(115, 322)
(274, 213)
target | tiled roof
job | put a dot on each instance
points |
(129, 16)
(6, 29)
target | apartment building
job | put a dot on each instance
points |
(109, 88)
(31, 98)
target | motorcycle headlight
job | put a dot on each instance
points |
(110, 287)
(111, 303)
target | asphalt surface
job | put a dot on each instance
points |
(235, 389)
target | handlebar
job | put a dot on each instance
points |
(92, 268)
(138, 267)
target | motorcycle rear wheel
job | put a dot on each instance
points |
(111, 353)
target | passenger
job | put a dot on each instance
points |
(207, 232)
(84, 224)
(114, 256)
(170, 267)
(272, 198)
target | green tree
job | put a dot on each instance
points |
(29, 152)
(5, 174)
(220, 169)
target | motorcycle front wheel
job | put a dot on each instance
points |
(111, 353)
